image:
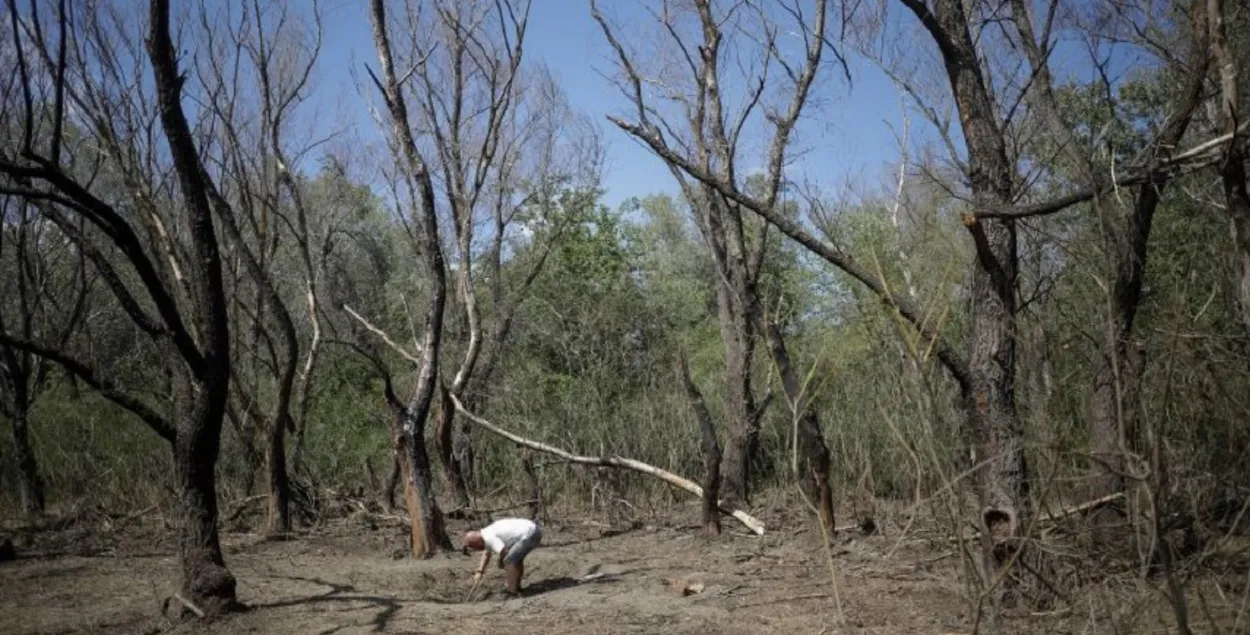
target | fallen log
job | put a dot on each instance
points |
(609, 461)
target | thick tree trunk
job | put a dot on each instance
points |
(428, 534)
(279, 517)
(993, 423)
(206, 582)
(1002, 481)
(742, 445)
(721, 226)
(29, 482)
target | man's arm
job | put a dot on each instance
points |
(481, 567)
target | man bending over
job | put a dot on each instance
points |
(512, 539)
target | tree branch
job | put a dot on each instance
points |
(950, 358)
(105, 388)
(608, 461)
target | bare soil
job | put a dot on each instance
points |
(589, 577)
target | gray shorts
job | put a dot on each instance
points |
(522, 547)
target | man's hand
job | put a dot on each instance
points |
(477, 577)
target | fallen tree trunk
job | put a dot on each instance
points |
(609, 461)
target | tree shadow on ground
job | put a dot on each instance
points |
(548, 585)
(388, 606)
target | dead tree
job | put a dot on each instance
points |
(700, 143)
(408, 422)
(489, 126)
(483, 72)
(45, 297)
(267, 42)
(179, 303)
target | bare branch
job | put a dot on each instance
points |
(416, 361)
(608, 461)
(107, 389)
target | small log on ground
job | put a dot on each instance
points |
(610, 461)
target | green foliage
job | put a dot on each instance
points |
(589, 363)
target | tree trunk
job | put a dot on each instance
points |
(1002, 477)
(721, 226)
(1233, 170)
(392, 481)
(427, 520)
(279, 517)
(1110, 429)
(206, 582)
(1002, 481)
(29, 482)
(537, 510)
(1238, 201)
(711, 449)
(743, 442)
(428, 532)
(810, 460)
(1112, 417)
(446, 437)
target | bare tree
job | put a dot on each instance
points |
(255, 133)
(428, 533)
(45, 299)
(985, 371)
(701, 144)
(465, 89)
(181, 302)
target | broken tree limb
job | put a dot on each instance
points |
(1056, 516)
(1083, 507)
(609, 461)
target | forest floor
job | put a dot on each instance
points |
(349, 576)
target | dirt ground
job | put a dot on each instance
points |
(350, 577)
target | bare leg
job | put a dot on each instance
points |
(512, 574)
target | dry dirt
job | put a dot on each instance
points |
(349, 577)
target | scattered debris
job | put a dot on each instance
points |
(683, 587)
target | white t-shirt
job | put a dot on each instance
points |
(504, 533)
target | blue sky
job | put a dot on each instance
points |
(851, 140)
